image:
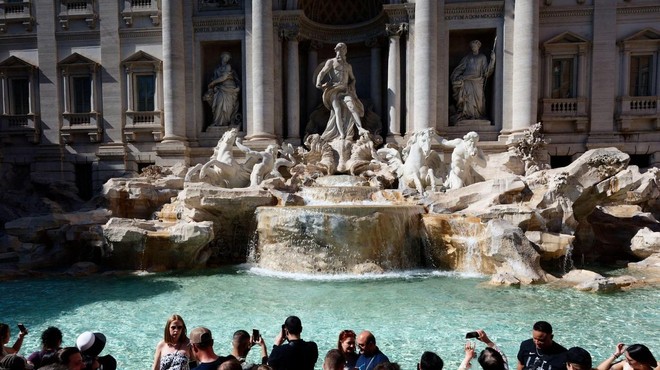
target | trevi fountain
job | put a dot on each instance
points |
(430, 236)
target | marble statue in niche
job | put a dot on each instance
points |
(337, 81)
(222, 94)
(468, 81)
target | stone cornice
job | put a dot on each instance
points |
(139, 33)
(396, 13)
(476, 10)
(77, 36)
(641, 9)
(224, 24)
(566, 12)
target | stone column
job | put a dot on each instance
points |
(263, 80)
(525, 63)
(375, 73)
(173, 66)
(394, 32)
(603, 91)
(312, 63)
(292, 88)
(424, 64)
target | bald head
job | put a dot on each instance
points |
(366, 343)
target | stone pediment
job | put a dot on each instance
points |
(141, 56)
(647, 34)
(15, 62)
(566, 38)
(76, 59)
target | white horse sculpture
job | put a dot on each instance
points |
(222, 169)
(415, 168)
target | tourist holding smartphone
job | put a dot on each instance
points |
(5, 335)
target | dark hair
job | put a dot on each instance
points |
(293, 325)
(642, 354)
(240, 335)
(66, 353)
(51, 338)
(430, 361)
(334, 359)
(343, 335)
(12, 362)
(490, 359)
(4, 330)
(387, 366)
(543, 326)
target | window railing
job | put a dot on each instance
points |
(141, 8)
(14, 122)
(144, 122)
(574, 107)
(16, 13)
(77, 9)
(638, 105)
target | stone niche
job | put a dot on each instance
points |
(459, 47)
(210, 55)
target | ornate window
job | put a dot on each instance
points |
(18, 99)
(16, 12)
(80, 113)
(565, 83)
(144, 97)
(638, 104)
(141, 9)
(78, 10)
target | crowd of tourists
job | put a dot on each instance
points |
(180, 351)
(85, 355)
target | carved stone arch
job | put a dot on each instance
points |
(334, 12)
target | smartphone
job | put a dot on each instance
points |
(255, 336)
(22, 328)
(472, 334)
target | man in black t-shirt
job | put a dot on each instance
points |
(295, 355)
(541, 352)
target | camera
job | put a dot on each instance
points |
(472, 334)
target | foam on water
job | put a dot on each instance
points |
(389, 275)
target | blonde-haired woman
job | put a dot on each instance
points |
(173, 352)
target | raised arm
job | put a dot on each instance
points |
(607, 364)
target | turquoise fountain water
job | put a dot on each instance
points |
(409, 312)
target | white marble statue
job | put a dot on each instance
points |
(265, 164)
(222, 93)
(337, 81)
(222, 169)
(468, 82)
(415, 165)
(465, 155)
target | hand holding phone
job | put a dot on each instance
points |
(22, 328)
(472, 334)
(256, 338)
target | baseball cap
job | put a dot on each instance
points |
(579, 356)
(90, 344)
(201, 335)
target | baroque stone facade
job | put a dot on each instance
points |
(97, 89)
